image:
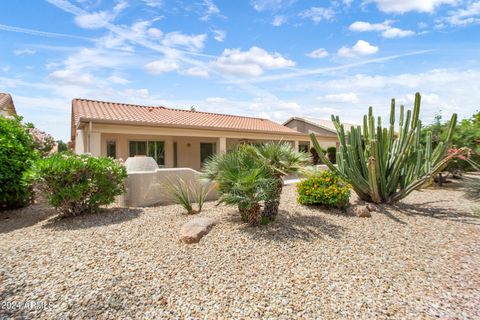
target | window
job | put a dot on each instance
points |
(175, 156)
(303, 148)
(154, 149)
(112, 149)
(206, 151)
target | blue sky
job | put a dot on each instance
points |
(267, 58)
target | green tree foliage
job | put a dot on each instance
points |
(17, 154)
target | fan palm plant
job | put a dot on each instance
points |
(242, 180)
(282, 160)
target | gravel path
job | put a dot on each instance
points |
(419, 260)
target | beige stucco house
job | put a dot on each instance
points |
(7, 108)
(321, 127)
(173, 137)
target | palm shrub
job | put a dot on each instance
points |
(282, 160)
(242, 180)
(77, 184)
(384, 166)
(186, 193)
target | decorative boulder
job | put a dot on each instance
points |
(193, 230)
(372, 207)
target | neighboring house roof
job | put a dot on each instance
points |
(324, 124)
(6, 104)
(112, 112)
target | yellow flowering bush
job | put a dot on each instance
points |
(326, 189)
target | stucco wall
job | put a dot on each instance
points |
(148, 188)
(329, 139)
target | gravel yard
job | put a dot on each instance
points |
(418, 260)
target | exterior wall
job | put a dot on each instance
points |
(147, 188)
(80, 142)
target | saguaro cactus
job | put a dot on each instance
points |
(384, 166)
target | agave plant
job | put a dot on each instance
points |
(242, 180)
(282, 160)
(384, 166)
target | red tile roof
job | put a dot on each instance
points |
(6, 102)
(101, 111)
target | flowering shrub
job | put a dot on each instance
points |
(43, 142)
(76, 184)
(17, 153)
(326, 189)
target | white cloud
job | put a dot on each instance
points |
(250, 63)
(273, 5)
(135, 93)
(318, 53)
(196, 72)
(349, 97)
(192, 42)
(100, 19)
(216, 100)
(278, 21)
(6, 68)
(468, 15)
(154, 3)
(397, 33)
(118, 80)
(396, 6)
(161, 66)
(220, 35)
(387, 31)
(317, 14)
(210, 10)
(71, 77)
(24, 52)
(427, 98)
(361, 48)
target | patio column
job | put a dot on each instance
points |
(95, 145)
(168, 153)
(222, 145)
(296, 145)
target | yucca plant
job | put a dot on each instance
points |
(282, 160)
(242, 180)
(186, 193)
(384, 166)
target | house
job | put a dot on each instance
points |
(323, 128)
(173, 137)
(7, 108)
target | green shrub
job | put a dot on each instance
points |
(17, 154)
(186, 193)
(77, 184)
(326, 189)
(332, 154)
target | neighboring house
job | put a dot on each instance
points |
(173, 137)
(323, 128)
(7, 108)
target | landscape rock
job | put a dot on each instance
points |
(195, 229)
(372, 207)
(361, 211)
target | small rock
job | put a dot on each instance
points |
(361, 211)
(372, 207)
(195, 229)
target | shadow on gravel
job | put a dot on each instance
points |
(105, 217)
(293, 225)
(12, 220)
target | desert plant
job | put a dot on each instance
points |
(242, 180)
(186, 193)
(384, 166)
(326, 188)
(77, 184)
(282, 160)
(17, 154)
